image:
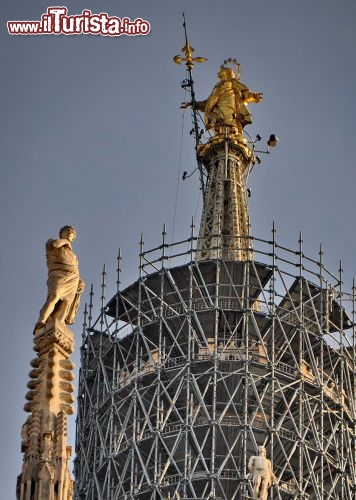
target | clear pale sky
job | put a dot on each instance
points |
(91, 136)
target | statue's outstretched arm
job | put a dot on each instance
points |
(200, 105)
(249, 96)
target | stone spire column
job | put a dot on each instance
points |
(45, 472)
(224, 227)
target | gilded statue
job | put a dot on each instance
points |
(64, 283)
(225, 110)
(262, 475)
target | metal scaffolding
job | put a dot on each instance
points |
(196, 364)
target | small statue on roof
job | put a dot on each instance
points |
(262, 474)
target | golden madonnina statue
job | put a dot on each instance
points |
(64, 284)
(262, 475)
(226, 111)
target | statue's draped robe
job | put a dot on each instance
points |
(63, 276)
(227, 106)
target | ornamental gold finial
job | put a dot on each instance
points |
(188, 52)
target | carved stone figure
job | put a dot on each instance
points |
(226, 110)
(64, 284)
(261, 473)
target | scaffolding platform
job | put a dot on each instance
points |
(196, 364)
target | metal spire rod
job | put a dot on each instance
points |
(189, 82)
